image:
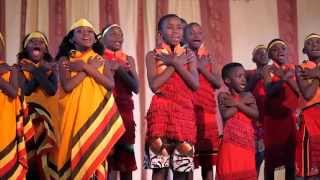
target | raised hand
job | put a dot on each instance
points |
(307, 73)
(227, 100)
(96, 61)
(167, 59)
(247, 99)
(289, 74)
(114, 65)
(49, 65)
(203, 61)
(76, 66)
(277, 71)
(27, 67)
(265, 71)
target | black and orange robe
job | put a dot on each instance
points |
(13, 155)
(42, 111)
(90, 125)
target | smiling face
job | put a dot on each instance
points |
(83, 37)
(36, 49)
(260, 57)
(279, 53)
(194, 36)
(171, 31)
(312, 48)
(236, 79)
(113, 39)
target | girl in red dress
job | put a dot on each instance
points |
(280, 111)
(308, 141)
(256, 86)
(173, 77)
(205, 102)
(236, 159)
(126, 82)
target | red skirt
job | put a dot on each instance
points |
(129, 135)
(236, 163)
(280, 139)
(207, 139)
(308, 143)
(171, 119)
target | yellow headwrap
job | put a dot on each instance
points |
(82, 23)
(35, 34)
(2, 40)
(260, 46)
(312, 35)
(277, 42)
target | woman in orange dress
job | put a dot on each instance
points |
(13, 155)
(90, 123)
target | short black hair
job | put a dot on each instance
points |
(188, 26)
(164, 18)
(24, 53)
(228, 68)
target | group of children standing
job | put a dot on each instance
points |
(71, 117)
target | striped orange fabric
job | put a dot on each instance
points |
(13, 156)
(90, 125)
(42, 114)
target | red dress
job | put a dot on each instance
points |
(236, 159)
(171, 112)
(279, 126)
(308, 138)
(205, 108)
(123, 158)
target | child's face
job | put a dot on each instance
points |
(279, 53)
(113, 39)
(83, 37)
(260, 57)
(312, 47)
(172, 31)
(237, 79)
(36, 48)
(194, 36)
